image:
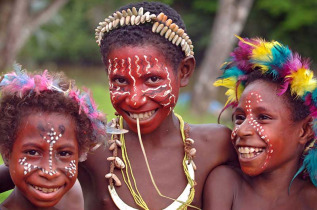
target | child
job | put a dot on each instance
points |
(47, 126)
(274, 95)
(149, 57)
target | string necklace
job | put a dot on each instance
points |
(182, 202)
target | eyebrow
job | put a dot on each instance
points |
(30, 144)
(67, 146)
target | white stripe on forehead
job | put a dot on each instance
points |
(115, 65)
(148, 66)
(137, 65)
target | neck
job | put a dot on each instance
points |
(18, 201)
(277, 182)
(169, 126)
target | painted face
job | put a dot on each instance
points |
(142, 85)
(44, 157)
(265, 137)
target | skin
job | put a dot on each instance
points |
(265, 178)
(31, 150)
(160, 133)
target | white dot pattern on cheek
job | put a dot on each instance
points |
(71, 169)
(256, 126)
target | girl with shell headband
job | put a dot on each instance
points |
(149, 57)
(273, 93)
(47, 126)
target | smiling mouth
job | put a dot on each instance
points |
(46, 190)
(250, 152)
(141, 116)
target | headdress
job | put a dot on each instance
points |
(273, 58)
(161, 24)
(20, 83)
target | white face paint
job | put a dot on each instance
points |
(51, 138)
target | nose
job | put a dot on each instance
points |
(49, 168)
(245, 129)
(136, 99)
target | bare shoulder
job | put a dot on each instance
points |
(222, 182)
(309, 195)
(213, 142)
(210, 132)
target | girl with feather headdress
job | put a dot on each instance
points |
(273, 94)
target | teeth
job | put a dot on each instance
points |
(45, 190)
(250, 150)
(142, 116)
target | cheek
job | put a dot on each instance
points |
(118, 94)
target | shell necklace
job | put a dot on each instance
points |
(182, 202)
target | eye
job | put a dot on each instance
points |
(65, 153)
(120, 81)
(32, 153)
(153, 80)
(264, 117)
(238, 119)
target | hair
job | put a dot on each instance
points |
(139, 35)
(298, 109)
(20, 99)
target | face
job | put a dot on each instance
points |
(142, 85)
(264, 136)
(44, 157)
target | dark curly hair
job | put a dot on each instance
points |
(138, 35)
(13, 108)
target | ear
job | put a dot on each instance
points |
(5, 157)
(186, 68)
(306, 132)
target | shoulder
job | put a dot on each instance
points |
(210, 132)
(222, 182)
(309, 194)
(213, 141)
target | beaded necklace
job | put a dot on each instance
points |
(117, 141)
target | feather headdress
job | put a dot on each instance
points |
(280, 62)
(20, 83)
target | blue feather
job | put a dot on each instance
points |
(310, 162)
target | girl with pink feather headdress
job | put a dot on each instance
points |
(47, 126)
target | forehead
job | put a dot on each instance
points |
(143, 52)
(36, 122)
(267, 91)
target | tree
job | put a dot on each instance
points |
(230, 19)
(18, 22)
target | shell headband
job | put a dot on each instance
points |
(273, 58)
(20, 83)
(161, 25)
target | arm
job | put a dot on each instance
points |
(219, 188)
(5, 179)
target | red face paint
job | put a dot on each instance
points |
(44, 158)
(264, 134)
(142, 84)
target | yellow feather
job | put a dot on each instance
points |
(302, 81)
(230, 83)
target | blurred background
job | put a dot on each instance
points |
(58, 35)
